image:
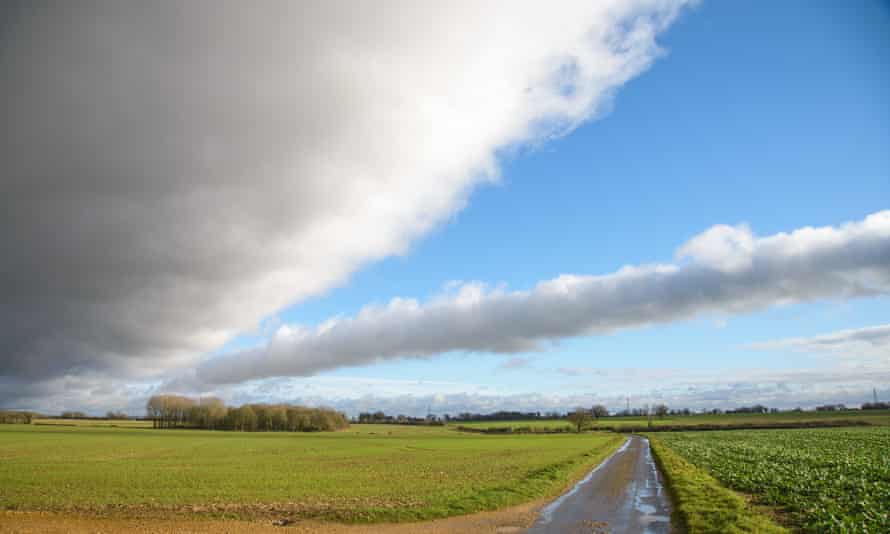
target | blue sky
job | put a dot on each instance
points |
(775, 115)
(379, 157)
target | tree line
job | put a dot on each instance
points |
(211, 413)
(503, 416)
(380, 417)
(15, 417)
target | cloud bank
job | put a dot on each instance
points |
(725, 270)
(871, 343)
(678, 388)
(176, 172)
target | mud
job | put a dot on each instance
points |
(509, 520)
(623, 495)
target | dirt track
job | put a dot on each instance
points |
(623, 495)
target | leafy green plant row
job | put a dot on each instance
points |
(824, 480)
(701, 504)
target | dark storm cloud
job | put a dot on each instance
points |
(174, 172)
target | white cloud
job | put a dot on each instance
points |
(678, 388)
(514, 363)
(847, 261)
(871, 343)
(722, 247)
(175, 173)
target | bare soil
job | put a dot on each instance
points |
(508, 520)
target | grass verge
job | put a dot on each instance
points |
(701, 504)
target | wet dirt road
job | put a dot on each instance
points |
(622, 495)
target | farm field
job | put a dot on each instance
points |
(820, 480)
(872, 417)
(538, 424)
(368, 473)
(124, 423)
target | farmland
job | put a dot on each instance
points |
(871, 417)
(538, 424)
(367, 473)
(126, 423)
(875, 417)
(820, 480)
(816, 479)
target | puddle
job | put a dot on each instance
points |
(547, 511)
(624, 494)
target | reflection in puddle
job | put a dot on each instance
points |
(650, 519)
(547, 511)
(621, 495)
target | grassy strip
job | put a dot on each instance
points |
(100, 423)
(662, 427)
(516, 430)
(838, 423)
(701, 504)
(546, 482)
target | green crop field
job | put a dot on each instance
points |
(821, 480)
(365, 473)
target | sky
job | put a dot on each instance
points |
(455, 207)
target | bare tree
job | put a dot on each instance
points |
(580, 418)
(247, 419)
(598, 410)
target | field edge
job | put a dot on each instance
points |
(701, 504)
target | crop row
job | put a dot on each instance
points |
(825, 480)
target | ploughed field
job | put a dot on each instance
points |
(367, 473)
(820, 480)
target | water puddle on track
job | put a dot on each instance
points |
(624, 494)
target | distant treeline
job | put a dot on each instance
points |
(876, 406)
(665, 428)
(517, 430)
(833, 423)
(832, 408)
(382, 418)
(175, 411)
(506, 416)
(12, 417)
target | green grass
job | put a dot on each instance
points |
(125, 423)
(367, 473)
(701, 504)
(822, 480)
(539, 424)
(874, 417)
